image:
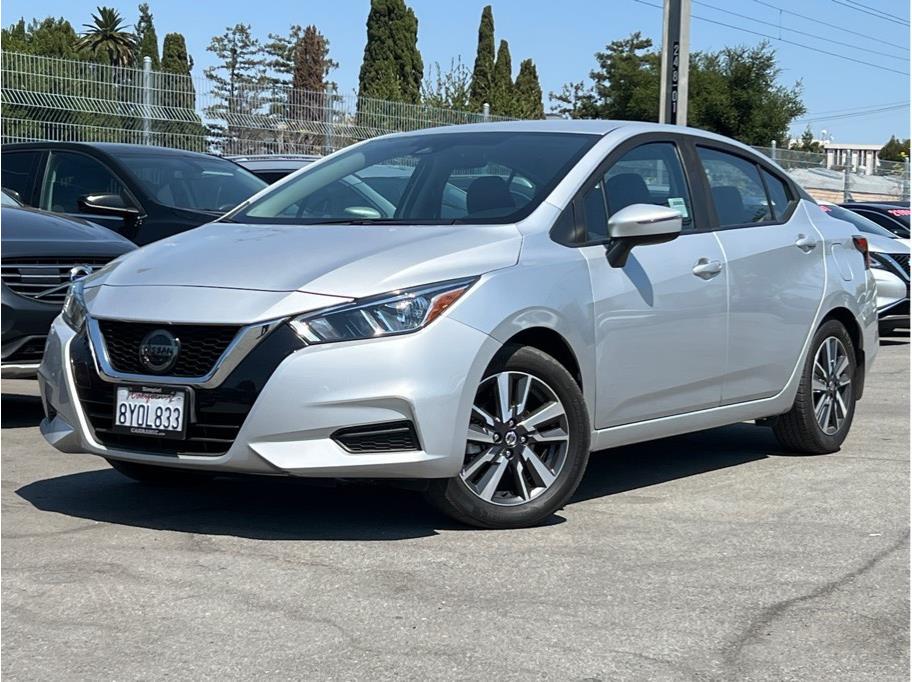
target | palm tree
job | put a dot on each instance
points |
(107, 36)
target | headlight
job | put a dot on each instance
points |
(397, 312)
(74, 310)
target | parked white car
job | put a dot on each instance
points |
(593, 284)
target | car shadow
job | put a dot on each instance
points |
(18, 411)
(265, 508)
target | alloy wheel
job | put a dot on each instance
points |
(831, 385)
(517, 439)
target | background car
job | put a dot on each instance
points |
(144, 193)
(273, 167)
(889, 263)
(893, 216)
(42, 254)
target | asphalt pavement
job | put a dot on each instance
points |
(709, 556)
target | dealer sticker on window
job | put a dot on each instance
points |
(679, 204)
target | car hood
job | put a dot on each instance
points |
(879, 244)
(349, 261)
(31, 232)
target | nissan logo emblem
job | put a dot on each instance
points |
(158, 351)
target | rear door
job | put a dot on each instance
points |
(660, 321)
(775, 258)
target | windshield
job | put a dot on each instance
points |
(195, 182)
(858, 221)
(432, 179)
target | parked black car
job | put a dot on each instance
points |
(42, 254)
(273, 167)
(144, 193)
(892, 215)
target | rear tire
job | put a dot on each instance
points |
(824, 407)
(526, 453)
(158, 475)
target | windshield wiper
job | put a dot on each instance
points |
(378, 221)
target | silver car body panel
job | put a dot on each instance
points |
(660, 350)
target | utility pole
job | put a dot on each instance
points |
(675, 62)
(147, 100)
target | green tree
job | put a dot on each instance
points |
(734, 91)
(528, 92)
(179, 95)
(448, 89)
(895, 149)
(239, 88)
(107, 38)
(48, 37)
(807, 143)
(483, 71)
(146, 39)
(301, 56)
(392, 68)
(502, 102)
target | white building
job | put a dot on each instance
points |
(861, 158)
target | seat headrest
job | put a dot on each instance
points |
(489, 193)
(626, 189)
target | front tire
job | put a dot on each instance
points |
(824, 407)
(527, 444)
(158, 475)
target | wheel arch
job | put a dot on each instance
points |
(549, 341)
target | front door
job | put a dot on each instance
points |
(660, 321)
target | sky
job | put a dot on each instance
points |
(562, 38)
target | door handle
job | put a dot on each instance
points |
(707, 269)
(805, 243)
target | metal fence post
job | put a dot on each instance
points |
(906, 181)
(486, 111)
(773, 150)
(846, 173)
(147, 100)
(329, 142)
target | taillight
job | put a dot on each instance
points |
(861, 243)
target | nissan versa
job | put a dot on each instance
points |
(599, 283)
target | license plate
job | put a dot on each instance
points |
(150, 411)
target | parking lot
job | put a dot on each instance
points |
(708, 556)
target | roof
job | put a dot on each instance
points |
(112, 148)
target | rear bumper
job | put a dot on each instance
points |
(427, 378)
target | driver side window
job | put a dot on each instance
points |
(71, 176)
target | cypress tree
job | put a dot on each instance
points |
(502, 95)
(528, 92)
(392, 68)
(146, 39)
(180, 92)
(483, 70)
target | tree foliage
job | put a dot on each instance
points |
(807, 143)
(527, 92)
(107, 38)
(502, 102)
(392, 68)
(146, 39)
(180, 92)
(48, 37)
(483, 71)
(733, 91)
(895, 149)
(450, 89)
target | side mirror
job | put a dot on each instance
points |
(640, 224)
(13, 194)
(108, 204)
(366, 212)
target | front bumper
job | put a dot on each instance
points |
(892, 296)
(428, 378)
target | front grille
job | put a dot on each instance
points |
(216, 416)
(902, 259)
(200, 346)
(46, 279)
(388, 437)
(30, 351)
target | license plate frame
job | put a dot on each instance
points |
(148, 429)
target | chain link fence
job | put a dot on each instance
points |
(45, 98)
(838, 183)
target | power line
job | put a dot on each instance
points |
(904, 59)
(783, 40)
(828, 25)
(872, 12)
(857, 114)
(864, 108)
(875, 9)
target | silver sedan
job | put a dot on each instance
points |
(478, 307)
